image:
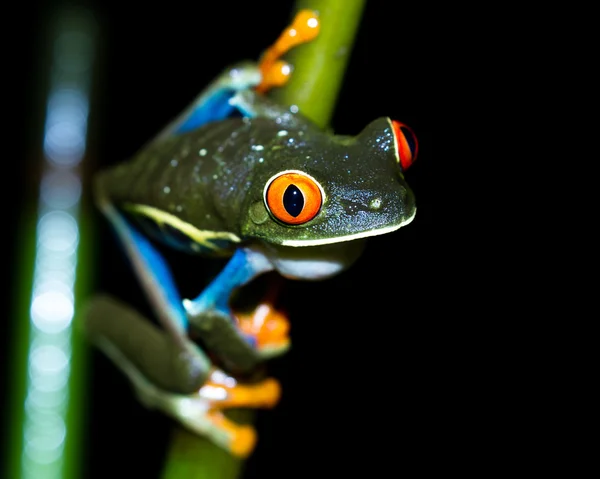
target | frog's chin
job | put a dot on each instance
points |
(313, 262)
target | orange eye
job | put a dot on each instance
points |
(293, 197)
(406, 143)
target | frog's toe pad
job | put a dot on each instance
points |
(238, 439)
(243, 441)
(202, 412)
(275, 75)
(224, 392)
(268, 329)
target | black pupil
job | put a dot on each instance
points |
(293, 200)
(410, 139)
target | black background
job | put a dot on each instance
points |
(362, 384)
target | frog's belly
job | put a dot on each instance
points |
(313, 262)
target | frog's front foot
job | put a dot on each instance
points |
(243, 339)
(240, 339)
(203, 412)
(266, 327)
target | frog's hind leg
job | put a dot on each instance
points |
(217, 102)
(209, 313)
(173, 380)
(114, 326)
(213, 104)
(168, 371)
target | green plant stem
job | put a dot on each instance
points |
(319, 68)
(193, 457)
(319, 65)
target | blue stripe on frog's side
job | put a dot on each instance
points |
(156, 274)
(149, 263)
(152, 270)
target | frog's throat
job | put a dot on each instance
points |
(354, 236)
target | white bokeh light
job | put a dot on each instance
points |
(52, 306)
(58, 231)
(51, 312)
(66, 126)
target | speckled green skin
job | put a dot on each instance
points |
(214, 177)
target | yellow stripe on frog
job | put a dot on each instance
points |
(202, 237)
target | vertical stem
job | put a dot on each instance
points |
(194, 457)
(319, 65)
(319, 68)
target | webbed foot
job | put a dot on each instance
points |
(203, 412)
(275, 72)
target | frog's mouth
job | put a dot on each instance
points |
(346, 238)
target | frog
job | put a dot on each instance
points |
(256, 184)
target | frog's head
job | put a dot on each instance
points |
(331, 189)
(324, 190)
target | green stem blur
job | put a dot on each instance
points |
(194, 457)
(47, 364)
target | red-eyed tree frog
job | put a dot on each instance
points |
(240, 176)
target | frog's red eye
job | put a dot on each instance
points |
(406, 143)
(293, 197)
